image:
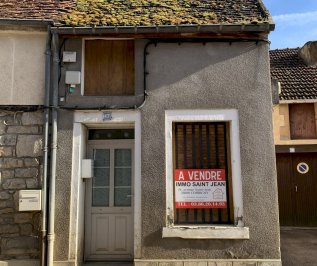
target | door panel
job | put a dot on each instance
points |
(297, 192)
(109, 202)
(285, 189)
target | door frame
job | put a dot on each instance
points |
(83, 121)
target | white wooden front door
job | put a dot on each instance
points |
(109, 201)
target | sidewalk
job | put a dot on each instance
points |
(299, 246)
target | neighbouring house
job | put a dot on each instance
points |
(157, 140)
(294, 72)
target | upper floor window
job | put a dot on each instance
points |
(109, 67)
(302, 121)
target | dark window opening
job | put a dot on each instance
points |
(203, 145)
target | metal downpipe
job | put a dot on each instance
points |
(45, 150)
(51, 224)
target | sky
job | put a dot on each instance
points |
(295, 22)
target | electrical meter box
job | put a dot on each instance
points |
(72, 77)
(87, 168)
(29, 200)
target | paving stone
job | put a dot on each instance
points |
(244, 263)
(8, 140)
(269, 263)
(32, 118)
(223, 263)
(26, 172)
(171, 263)
(29, 146)
(145, 263)
(10, 163)
(23, 130)
(6, 151)
(16, 183)
(195, 263)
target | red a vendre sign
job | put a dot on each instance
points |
(200, 188)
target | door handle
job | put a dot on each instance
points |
(295, 188)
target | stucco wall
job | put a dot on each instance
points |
(197, 76)
(212, 76)
(22, 64)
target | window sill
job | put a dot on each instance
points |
(210, 232)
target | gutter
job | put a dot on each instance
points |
(209, 28)
(28, 23)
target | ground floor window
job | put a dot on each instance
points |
(203, 174)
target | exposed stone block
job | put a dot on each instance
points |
(22, 217)
(23, 130)
(32, 118)
(6, 151)
(7, 174)
(6, 210)
(29, 146)
(10, 163)
(3, 128)
(4, 195)
(28, 162)
(32, 183)
(6, 204)
(9, 229)
(26, 172)
(16, 183)
(26, 229)
(19, 245)
(8, 140)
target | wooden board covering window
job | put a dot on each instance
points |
(203, 145)
(109, 67)
(302, 121)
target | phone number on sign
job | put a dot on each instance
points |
(201, 205)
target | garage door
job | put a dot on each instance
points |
(297, 187)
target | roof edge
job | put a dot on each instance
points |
(25, 22)
(270, 18)
(208, 28)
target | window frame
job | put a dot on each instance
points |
(234, 231)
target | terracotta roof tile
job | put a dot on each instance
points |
(298, 81)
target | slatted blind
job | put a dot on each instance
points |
(203, 146)
(109, 67)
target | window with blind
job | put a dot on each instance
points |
(202, 177)
(109, 68)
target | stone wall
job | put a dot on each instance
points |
(21, 137)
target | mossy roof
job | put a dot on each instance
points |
(137, 12)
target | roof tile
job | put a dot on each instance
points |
(298, 81)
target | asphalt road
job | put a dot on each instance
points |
(299, 247)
